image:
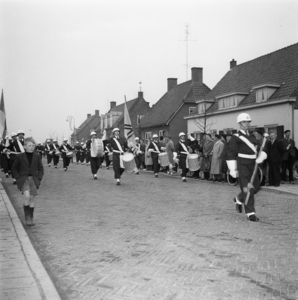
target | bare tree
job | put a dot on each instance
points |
(204, 122)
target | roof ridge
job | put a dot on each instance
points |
(264, 55)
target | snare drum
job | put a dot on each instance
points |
(97, 149)
(51, 153)
(110, 156)
(129, 162)
(193, 162)
(164, 159)
(57, 153)
(69, 154)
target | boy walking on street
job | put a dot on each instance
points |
(28, 172)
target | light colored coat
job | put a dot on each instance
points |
(217, 157)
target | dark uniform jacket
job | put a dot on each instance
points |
(63, 151)
(275, 151)
(123, 143)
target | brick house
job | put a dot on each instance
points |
(166, 117)
(265, 87)
(137, 109)
(83, 131)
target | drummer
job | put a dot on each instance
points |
(77, 149)
(155, 148)
(119, 145)
(182, 151)
(56, 152)
(47, 150)
(95, 160)
(64, 149)
(138, 154)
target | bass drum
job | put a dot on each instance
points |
(97, 148)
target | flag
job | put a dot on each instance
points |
(3, 127)
(128, 131)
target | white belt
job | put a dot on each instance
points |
(182, 152)
(253, 156)
(117, 151)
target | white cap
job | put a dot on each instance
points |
(54, 140)
(77, 142)
(136, 138)
(13, 134)
(155, 136)
(65, 140)
(93, 133)
(21, 131)
(116, 129)
(48, 141)
(181, 134)
(243, 117)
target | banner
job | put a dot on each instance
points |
(3, 127)
(128, 131)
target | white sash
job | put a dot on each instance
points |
(48, 146)
(65, 148)
(121, 151)
(156, 148)
(185, 149)
(247, 142)
(54, 146)
(21, 146)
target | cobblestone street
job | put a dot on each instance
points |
(159, 238)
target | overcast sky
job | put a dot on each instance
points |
(69, 58)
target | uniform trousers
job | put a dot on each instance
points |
(55, 159)
(274, 173)
(66, 161)
(156, 164)
(95, 163)
(5, 163)
(116, 165)
(77, 156)
(87, 156)
(107, 160)
(82, 157)
(138, 160)
(182, 164)
(287, 164)
(49, 159)
(245, 174)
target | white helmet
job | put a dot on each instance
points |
(13, 134)
(116, 129)
(155, 136)
(65, 140)
(181, 134)
(21, 131)
(136, 138)
(243, 117)
(48, 141)
(93, 133)
(54, 140)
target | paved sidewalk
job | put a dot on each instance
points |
(22, 275)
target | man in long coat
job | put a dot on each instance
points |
(216, 163)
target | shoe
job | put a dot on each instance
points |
(156, 175)
(65, 169)
(108, 168)
(184, 180)
(253, 218)
(277, 185)
(238, 206)
(15, 182)
(55, 167)
(49, 165)
(137, 173)
(7, 175)
(118, 182)
(292, 182)
(283, 182)
(94, 177)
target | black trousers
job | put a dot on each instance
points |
(116, 165)
(87, 156)
(82, 157)
(138, 160)
(78, 156)
(49, 159)
(287, 165)
(274, 173)
(107, 159)
(182, 164)
(95, 163)
(55, 159)
(245, 174)
(66, 161)
(156, 164)
(5, 163)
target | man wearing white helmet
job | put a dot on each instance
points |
(66, 154)
(242, 157)
(119, 146)
(21, 135)
(77, 149)
(39, 149)
(155, 148)
(48, 151)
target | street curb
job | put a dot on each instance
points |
(43, 281)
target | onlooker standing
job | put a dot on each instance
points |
(288, 158)
(207, 156)
(226, 140)
(216, 163)
(169, 150)
(275, 153)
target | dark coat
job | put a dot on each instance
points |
(275, 151)
(285, 143)
(63, 151)
(21, 169)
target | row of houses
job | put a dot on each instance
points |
(265, 87)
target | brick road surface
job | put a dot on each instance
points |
(159, 238)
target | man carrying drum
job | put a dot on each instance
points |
(66, 154)
(77, 149)
(242, 159)
(155, 148)
(47, 150)
(56, 152)
(95, 153)
(119, 146)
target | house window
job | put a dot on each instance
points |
(161, 133)
(264, 94)
(271, 128)
(148, 135)
(201, 108)
(191, 110)
(139, 118)
(228, 102)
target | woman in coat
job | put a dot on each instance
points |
(216, 164)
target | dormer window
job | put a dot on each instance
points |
(230, 100)
(265, 91)
(203, 105)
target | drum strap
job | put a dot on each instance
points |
(247, 142)
(21, 146)
(54, 147)
(156, 148)
(65, 148)
(118, 145)
(184, 148)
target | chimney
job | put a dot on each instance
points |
(233, 63)
(197, 75)
(112, 104)
(88, 116)
(140, 95)
(172, 82)
(97, 113)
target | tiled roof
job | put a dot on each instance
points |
(171, 101)
(85, 123)
(279, 67)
